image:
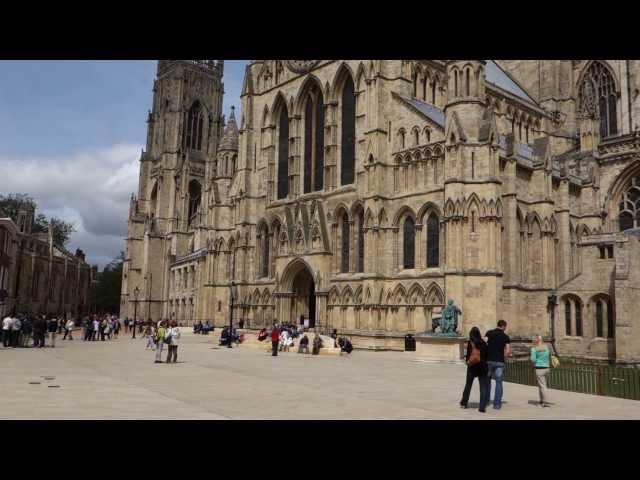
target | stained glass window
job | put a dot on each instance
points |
(433, 241)
(409, 243)
(347, 175)
(345, 244)
(283, 154)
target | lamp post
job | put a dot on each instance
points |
(551, 303)
(149, 297)
(136, 292)
(233, 290)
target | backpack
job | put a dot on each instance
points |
(554, 362)
(474, 357)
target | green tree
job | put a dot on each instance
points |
(10, 204)
(105, 295)
(62, 230)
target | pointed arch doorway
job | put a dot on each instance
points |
(304, 298)
(298, 292)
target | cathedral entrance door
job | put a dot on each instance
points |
(304, 298)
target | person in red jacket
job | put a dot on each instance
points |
(275, 339)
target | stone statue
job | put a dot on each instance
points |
(449, 322)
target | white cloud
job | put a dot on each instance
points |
(91, 189)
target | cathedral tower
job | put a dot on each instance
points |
(167, 217)
(472, 196)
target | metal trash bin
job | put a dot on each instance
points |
(409, 343)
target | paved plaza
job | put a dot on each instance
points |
(118, 380)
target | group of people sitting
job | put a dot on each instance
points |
(283, 337)
(228, 336)
(203, 328)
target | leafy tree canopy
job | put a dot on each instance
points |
(62, 231)
(105, 295)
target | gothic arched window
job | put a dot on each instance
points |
(195, 195)
(433, 241)
(347, 172)
(409, 243)
(360, 219)
(265, 252)
(598, 98)
(599, 318)
(629, 206)
(567, 317)
(283, 153)
(193, 128)
(578, 308)
(611, 324)
(345, 241)
(314, 142)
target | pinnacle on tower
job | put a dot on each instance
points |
(230, 136)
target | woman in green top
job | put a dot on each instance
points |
(160, 334)
(540, 356)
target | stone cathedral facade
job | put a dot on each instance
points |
(362, 194)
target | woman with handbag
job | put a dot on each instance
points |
(172, 338)
(476, 359)
(541, 359)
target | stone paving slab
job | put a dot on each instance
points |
(118, 380)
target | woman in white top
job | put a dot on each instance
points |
(173, 335)
(68, 329)
(286, 341)
(151, 337)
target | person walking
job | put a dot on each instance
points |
(540, 357)
(174, 339)
(160, 334)
(117, 326)
(275, 339)
(96, 329)
(68, 329)
(27, 329)
(88, 328)
(16, 326)
(39, 331)
(101, 328)
(7, 322)
(108, 329)
(476, 360)
(52, 328)
(150, 333)
(498, 345)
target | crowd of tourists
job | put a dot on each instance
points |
(101, 327)
(485, 359)
(26, 330)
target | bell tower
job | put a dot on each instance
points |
(169, 214)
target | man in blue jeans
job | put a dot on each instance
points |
(498, 345)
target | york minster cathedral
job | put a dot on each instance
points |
(362, 195)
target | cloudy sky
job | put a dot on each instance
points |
(71, 133)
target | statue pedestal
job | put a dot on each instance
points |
(440, 348)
